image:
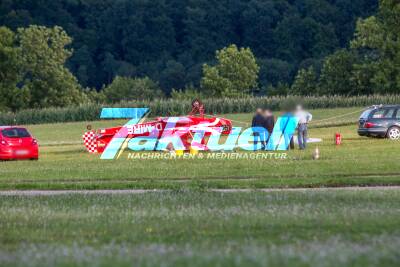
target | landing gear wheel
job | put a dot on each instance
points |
(393, 133)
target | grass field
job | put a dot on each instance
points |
(191, 228)
(64, 164)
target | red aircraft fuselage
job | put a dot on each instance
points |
(185, 127)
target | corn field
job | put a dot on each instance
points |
(171, 107)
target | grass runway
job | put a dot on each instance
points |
(64, 163)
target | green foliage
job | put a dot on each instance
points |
(43, 55)
(32, 69)
(124, 88)
(235, 74)
(274, 71)
(370, 66)
(95, 97)
(34, 59)
(11, 97)
(379, 36)
(189, 93)
(305, 83)
(281, 89)
(337, 74)
(173, 76)
(169, 40)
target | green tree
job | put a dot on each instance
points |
(124, 88)
(337, 74)
(279, 89)
(94, 96)
(378, 39)
(274, 71)
(189, 93)
(82, 65)
(136, 38)
(43, 55)
(11, 97)
(305, 83)
(173, 76)
(236, 73)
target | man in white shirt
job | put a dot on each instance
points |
(304, 118)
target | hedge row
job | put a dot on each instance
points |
(167, 107)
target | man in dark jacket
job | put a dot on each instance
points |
(258, 121)
(269, 122)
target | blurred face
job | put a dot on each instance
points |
(267, 113)
(259, 111)
(196, 103)
(299, 107)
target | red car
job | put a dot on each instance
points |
(17, 143)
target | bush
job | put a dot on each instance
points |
(187, 94)
(174, 107)
(126, 89)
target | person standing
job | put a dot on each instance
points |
(269, 123)
(197, 108)
(287, 137)
(304, 118)
(258, 121)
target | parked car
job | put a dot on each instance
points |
(17, 143)
(381, 121)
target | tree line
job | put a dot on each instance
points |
(370, 64)
(36, 70)
(170, 40)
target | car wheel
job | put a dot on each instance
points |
(393, 133)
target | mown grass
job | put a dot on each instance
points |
(190, 228)
(64, 164)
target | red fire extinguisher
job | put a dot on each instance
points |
(338, 139)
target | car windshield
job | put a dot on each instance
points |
(15, 133)
(365, 114)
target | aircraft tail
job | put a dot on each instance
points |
(90, 142)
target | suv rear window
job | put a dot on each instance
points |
(15, 133)
(383, 113)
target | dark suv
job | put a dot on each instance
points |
(382, 121)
